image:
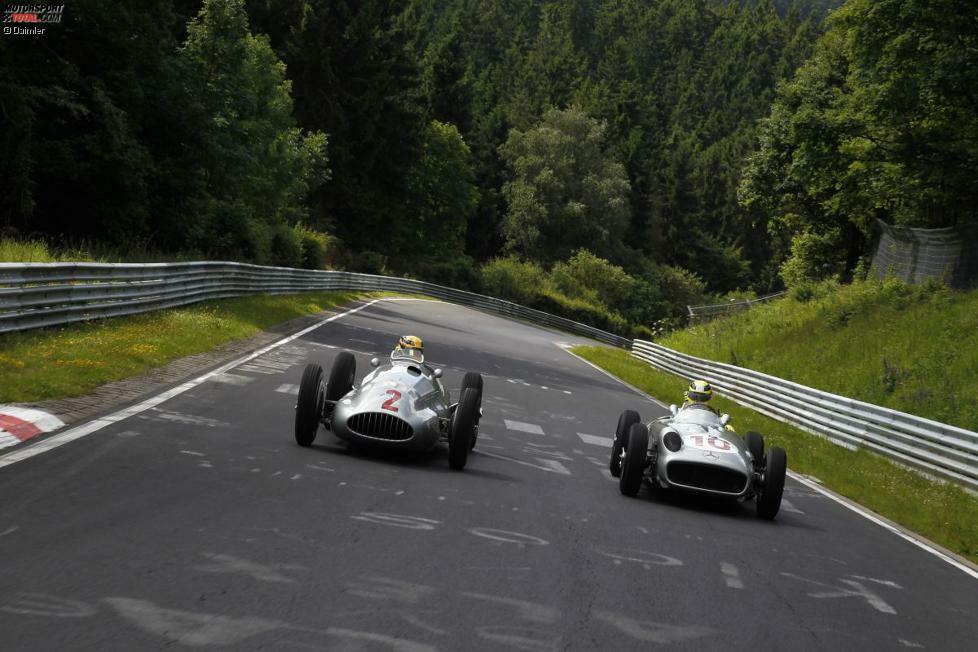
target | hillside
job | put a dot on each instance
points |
(913, 349)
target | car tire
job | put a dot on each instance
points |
(341, 377)
(772, 483)
(633, 466)
(473, 380)
(462, 429)
(755, 444)
(309, 406)
(625, 421)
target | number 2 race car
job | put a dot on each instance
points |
(691, 450)
(401, 405)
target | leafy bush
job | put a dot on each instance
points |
(285, 247)
(513, 279)
(315, 246)
(814, 257)
(581, 311)
(680, 288)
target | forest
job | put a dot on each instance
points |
(608, 160)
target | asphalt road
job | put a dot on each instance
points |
(200, 523)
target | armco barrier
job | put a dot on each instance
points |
(930, 446)
(33, 295)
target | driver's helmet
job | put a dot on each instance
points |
(410, 346)
(411, 342)
(699, 391)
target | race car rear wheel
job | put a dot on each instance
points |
(634, 463)
(462, 429)
(341, 377)
(755, 444)
(772, 483)
(473, 380)
(309, 406)
(625, 421)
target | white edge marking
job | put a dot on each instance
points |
(920, 542)
(611, 375)
(67, 436)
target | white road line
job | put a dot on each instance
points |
(731, 575)
(288, 388)
(195, 453)
(903, 534)
(552, 466)
(231, 379)
(67, 436)
(594, 440)
(530, 428)
(610, 375)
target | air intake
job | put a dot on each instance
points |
(706, 476)
(379, 425)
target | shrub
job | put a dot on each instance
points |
(315, 246)
(680, 288)
(514, 280)
(285, 247)
(814, 257)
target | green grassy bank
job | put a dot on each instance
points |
(73, 360)
(913, 349)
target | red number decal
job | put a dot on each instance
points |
(719, 444)
(389, 403)
(697, 440)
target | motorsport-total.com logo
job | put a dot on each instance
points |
(30, 19)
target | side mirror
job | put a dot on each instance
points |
(724, 419)
(374, 362)
(437, 373)
(674, 409)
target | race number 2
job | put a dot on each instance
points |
(389, 403)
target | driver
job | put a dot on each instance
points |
(698, 395)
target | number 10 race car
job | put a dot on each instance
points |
(692, 450)
(401, 405)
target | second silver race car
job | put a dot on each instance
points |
(400, 405)
(692, 450)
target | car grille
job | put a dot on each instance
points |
(706, 476)
(380, 426)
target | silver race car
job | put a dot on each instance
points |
(692, 450)
(399, 405)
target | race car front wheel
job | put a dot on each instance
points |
(772, 483)
(341, 377)
(634, 464)
(462, 429)
(625, 421)
(309, 407)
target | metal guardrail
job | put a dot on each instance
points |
(34, 295)
(930, 446)
(717, 309)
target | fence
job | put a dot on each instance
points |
(930, 446)
(916, 255)
(702, 313)
(34, 295)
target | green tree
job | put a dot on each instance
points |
(257, 166)
(881, 122)
(566, 190)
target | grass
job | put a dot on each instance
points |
(74, 360)
(913, 349)
(37, 251)
(942, 512)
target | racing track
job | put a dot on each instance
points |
(200, 523)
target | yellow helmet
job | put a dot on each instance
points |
(411, 342)
(699, 391)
